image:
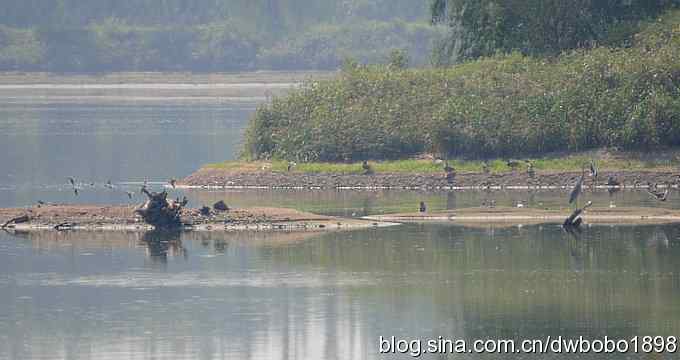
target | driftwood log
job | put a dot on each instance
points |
(161, 212)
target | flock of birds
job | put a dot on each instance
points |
(76, 187)
(574, 220)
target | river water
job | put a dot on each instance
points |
(288, 296)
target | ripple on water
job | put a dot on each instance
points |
(139, 281)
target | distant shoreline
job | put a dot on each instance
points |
(270, 77)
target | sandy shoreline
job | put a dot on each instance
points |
(528, 216)
(123, 218)
(220, 178)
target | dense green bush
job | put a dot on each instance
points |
(500, 106)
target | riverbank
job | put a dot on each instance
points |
(90, 217)
(520, 179)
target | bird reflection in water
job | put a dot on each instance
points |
(163, 243)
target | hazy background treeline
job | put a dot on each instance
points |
(209, 35)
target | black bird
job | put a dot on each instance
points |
(612, 182)
(108, 184)
(130, 194)
(593, 169)
(40, 202)
(448, 168)
(75, 191)
(173, 182)
(423, 208)
(72, 181)
(205, 211)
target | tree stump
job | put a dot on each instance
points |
(161, 212)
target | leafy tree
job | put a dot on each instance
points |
(484, 27)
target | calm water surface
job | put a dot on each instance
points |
(328, 296)
(287, 296)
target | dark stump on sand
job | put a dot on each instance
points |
(161, 212)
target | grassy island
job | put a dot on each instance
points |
(623, 94)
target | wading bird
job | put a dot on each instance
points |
(485, 167)
(576, 191)
(130, 194)
(173, 182)
(423, 207)
(72, 181)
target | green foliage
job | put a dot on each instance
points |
(506, 105)
(485, 27)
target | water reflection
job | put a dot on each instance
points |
(163, 243)
(329, 295)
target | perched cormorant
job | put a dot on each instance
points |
(593, 169)
(611, 181)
